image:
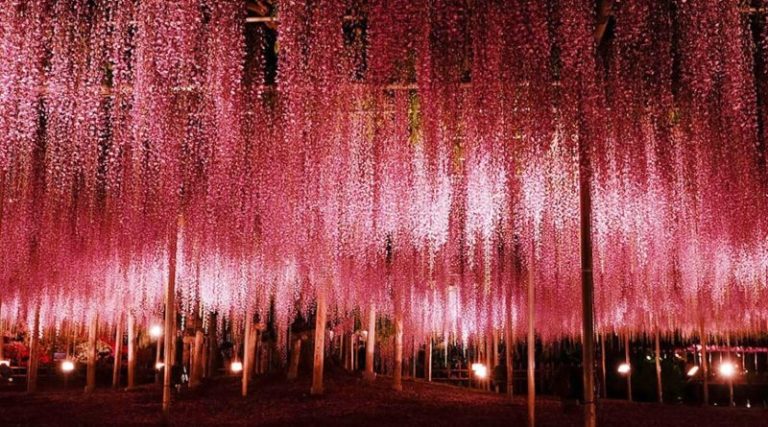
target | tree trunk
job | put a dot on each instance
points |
(397, 376)
(293, 367)
(196, 371)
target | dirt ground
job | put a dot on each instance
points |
(348, 401)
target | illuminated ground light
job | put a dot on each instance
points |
(480, 370)
(624, 369)
(727, 369)
(5, 362)
(693, 371)
(236, 367)
(159, 365)
(67, 366)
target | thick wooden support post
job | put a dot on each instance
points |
(628, 362)
(319, 359)
(170, 319)
(196, 371)
(293, 366)
(90, 383)
(249, 346)
(2, 331)
(370, 345)
(659, 388)
(213, 345)
(397, 376)
(118, 353)
(531, 341)
(730, 378)
(34, 352)
(131, 351)
(428, 359)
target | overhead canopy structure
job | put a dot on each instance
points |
(420, 155)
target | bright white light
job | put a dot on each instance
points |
(476, 366)
(693, 371)
(480, 370)
(156, 331)
(67, 366)
(624, 368)
(5, 362)
(159, 365)
(727, 369)
(236, 367)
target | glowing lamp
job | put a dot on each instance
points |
(156, 331)
(5, 362)
(727, 369)
(67, 366)
(236, 367)
(159, 365)
(481, 372)
(624, 368)
(693, 371)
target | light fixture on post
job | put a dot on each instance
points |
(156, 331)
(236, 367)
(624, 368)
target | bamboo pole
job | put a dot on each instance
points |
(531, 341)
(659, 388)
(131, 351)
(370, 344)
(397, 375)
(34, 350)
(118, 352)
(320, 319)
(627, 361)
(170, 318)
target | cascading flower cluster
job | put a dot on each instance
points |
(427, 173)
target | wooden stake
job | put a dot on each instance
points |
(659, 389)
(397, 376)
(33, 353)
(131, 351)
(248, 347)
(91, 371)
(118, 353)
(370, 345)
(531, 341)
(428, 359)
(170, 318)
(730, 379)
(317, 369)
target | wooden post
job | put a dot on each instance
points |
(2, 331)
(704, 365)
(659, 389)
(196, 370)
(34, 351)
(213, 345)
(587, 280)
(131, 351)
(730, 360)
(397, 375)
(428, 359)
(627, 361)
(604, 377)
(293, 366)
(319, 359)
(118, 352)
(170, 318)
(91, 371)
(509, 354)
(531, 340)
(370, 345)
(248, 349)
